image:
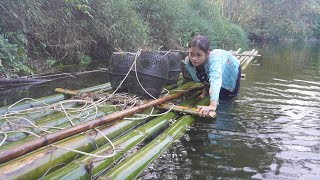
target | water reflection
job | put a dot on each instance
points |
(272, 131)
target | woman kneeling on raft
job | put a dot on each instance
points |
(217, 68)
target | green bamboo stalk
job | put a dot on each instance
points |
(49, 120)
(29, 104)
(134, 165)
(33, 114)
(37, 163)
(88, 166)
(8, 155)
(58, 120)
(79, 169)
(50, 99)
(185, 110)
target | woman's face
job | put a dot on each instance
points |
(197, 56)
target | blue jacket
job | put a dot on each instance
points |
(222, 70)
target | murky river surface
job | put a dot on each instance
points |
(271, 131)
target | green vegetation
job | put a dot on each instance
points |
(12, 54)
(51, 34)
(273, 19)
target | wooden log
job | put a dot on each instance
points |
(8, 155)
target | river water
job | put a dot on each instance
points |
(271, 131)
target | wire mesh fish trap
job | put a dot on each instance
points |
(120, 64)
(174, 59)
(152, 70)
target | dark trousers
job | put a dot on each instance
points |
(226, 94)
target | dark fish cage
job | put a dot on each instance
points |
(152, 70)
(174, 58)
(120, 64)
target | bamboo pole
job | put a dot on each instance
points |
(8, 155)
(37, 163)
(50, 99)
(33, 114)
(66, 91)
(245, 64)
(247, 56)
(79, 169)
(60, 120)
(238, 51)
(21, 80)
(241, 58)
(134, 165)
(185, 109)
(29, 104)
(254, 55)
(40, 165)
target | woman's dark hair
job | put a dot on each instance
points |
(201, 42)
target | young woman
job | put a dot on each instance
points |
(218, 68)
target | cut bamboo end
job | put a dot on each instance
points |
(66, 91)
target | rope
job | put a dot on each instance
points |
(4, 139)
(90, 154)
(136, 73)
(62, 164)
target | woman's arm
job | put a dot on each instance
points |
(215, 77)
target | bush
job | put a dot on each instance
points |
(13, 57)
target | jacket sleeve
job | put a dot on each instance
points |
(215, 74)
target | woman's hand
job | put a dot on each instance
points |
(205, 110)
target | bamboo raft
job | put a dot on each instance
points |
(84, 134)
